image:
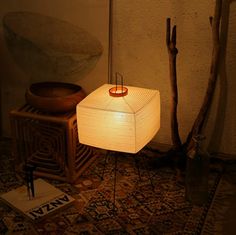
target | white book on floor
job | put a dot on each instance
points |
(47, 199)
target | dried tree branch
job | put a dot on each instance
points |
(172, 52)
(201, 117)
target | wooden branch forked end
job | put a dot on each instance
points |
(167, 32)
(173, 36)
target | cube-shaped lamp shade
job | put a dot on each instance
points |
(124, 124)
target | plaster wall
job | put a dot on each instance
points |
(140, 54)
(91, 15)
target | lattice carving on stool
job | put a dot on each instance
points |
(49, 142)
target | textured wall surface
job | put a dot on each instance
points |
(91, 15)
(140, 54)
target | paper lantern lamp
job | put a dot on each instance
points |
(120, 118)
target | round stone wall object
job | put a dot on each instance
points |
(50, 49)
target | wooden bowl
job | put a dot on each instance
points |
(54, 97)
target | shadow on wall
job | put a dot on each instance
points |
(218, 128)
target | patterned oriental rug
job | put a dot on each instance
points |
(139, 208)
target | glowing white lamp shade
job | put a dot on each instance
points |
(124, 124)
